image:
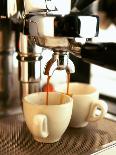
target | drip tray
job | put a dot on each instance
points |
(15, 138)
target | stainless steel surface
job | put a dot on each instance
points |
(15, 138)
(7, 68)
(7, 37)
(29, 71)
(29, 65)
(28, 88)
(69, 26)
(28, 46)
(57, 43)
(29, 58)
(75, 48)
(6, 63)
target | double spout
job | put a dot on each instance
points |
(59, 61)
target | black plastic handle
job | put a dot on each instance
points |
(102, 54)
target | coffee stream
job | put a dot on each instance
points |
(48, 82)
(68, 80)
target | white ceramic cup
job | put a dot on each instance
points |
(47, 123)
(86, 103)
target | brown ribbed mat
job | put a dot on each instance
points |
(15, 139)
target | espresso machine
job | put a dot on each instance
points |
(28, 27)
(48, 25)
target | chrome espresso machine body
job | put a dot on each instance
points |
(7, 50)
(45, 24)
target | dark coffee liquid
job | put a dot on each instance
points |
(47, 94)
(68, 80)
(48, 82)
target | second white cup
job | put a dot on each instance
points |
(86, 103)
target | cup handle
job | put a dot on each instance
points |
(93, 115)
(40, 125)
